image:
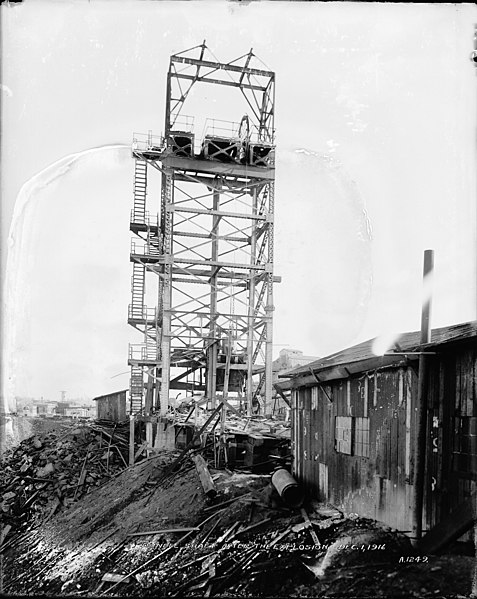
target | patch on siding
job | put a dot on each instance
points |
(323, 479)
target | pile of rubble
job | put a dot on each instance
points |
(172, 525)
(198, 415)
(249, 444)
(266, 551)
(47, 473)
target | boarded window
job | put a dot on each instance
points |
(361, 437)
(343, 434)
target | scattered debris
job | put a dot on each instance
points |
(163, 531)
(204, 476)
(43, 474)
(111, 577)
(228, 502)
(122, 538)
(309, 526)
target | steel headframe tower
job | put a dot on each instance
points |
(211, 248)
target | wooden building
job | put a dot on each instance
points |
(112, 406)
(354, 431)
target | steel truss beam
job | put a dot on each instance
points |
(215, 229)
(200, 320)
(192, 68)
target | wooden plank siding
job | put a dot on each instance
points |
(112, 407)
(379, 485)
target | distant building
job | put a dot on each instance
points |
(46, 409)
(61, 407)
(28, 410)
(289, 359)
(79, 412)
(112, 406)
(22, 404)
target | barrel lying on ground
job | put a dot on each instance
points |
(288, 488)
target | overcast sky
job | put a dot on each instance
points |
(376, 122)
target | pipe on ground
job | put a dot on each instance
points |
(288, 488)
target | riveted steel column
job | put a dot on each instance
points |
(269, 306)
(251, 306)
(165, 287)
(213, 332)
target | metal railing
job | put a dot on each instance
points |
(143, 248)
(147, 142)
(244, 146)
(142, 352)
(220, 128)
(182, 123)
(157, 144)
(141, 312)
(144, 218)
(231, 130)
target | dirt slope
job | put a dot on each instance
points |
(250, 547)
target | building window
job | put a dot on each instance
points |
(352, 436)
(361, 437)
(343, 434)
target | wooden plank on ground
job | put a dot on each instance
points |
(249, 528)
(219, 505)
(309, 525)
(3, 533)
(204, 476)
(139, 451)
(113, 577)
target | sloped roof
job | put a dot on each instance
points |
(405, 342)
(110, 394)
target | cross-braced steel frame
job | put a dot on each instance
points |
(211, 249)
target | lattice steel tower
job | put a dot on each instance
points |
(209, 251)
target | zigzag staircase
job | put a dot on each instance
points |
(137, 291)
(139, 316)
(136, 389)
(140, 186)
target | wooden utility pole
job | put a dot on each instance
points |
(421, 405)
(131, 440)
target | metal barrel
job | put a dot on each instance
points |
(288, 489)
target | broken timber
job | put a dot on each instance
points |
(204, 476)
(196, 436)
(219, 505)
(310, 526)
(252, 527)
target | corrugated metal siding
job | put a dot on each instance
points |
(379, 486)
(451, 460)
(462, 422)
(373, 486)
